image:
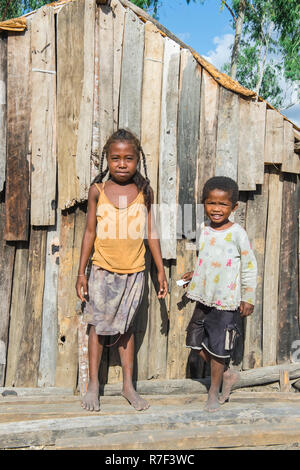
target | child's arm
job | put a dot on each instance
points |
(154, 245)
(248, 276)
(87, 242)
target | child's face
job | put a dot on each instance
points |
(218, 207)
(122, 161)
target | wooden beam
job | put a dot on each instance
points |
(43, 118)
(118, 27)
(274, 137)
(291, 159)
(3, 107)
(246, 155)
(17, 194)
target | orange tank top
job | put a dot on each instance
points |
(119, 245)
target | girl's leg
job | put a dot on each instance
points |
(216, 372)
(90, 400)
(126, 351)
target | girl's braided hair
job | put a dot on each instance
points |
(142, 183)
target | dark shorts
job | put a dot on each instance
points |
(212, 329)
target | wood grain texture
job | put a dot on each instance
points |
(246, 154)
(259, 128)
(85, 124)
(118, 25)
(168, 149)
(70, 70)
(227, 135)
(151, 101)
(208, 131)
(95, 146)
(188, 139)
(256, 226)
(274, 137)
(47, 363)
(288, 297)
(29, 351)
(291, 160)
(131, 76)
(17, 194)
(43, 118)
(7, 256)
(3, 107)
(271, 270)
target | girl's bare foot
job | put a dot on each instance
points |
(134, 399)
(212, 403)
(90, 401)
(230, 377)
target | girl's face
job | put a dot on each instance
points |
(218, 207)
(122, 161)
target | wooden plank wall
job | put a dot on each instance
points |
(191, 128)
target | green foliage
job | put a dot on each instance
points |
(151, 6)
(15, 8)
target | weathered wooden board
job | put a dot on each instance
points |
(18, 129)
(188, 139)
(288, 297)
(131, 76)
(95, 146)
(291, 160)
(256, 225)
(70, 71)
(7, 255)
(118, 25)
(151, 101)
(17, 312)
(47, 363)
(43, 118)
(29, 351)
(106, 75)
(208, 131)
(274, 137)
(68, 306)
(246, 155)
(259, 127)
(271, 270)
(227, 134)
(3, 107)
(85, 124)
(180, 313)
(168, 149)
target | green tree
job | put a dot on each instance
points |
(14, 8)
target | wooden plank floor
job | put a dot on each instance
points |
(248, 420)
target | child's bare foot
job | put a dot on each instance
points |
(90, 401)
(134, 399)
(212, 403)
(230, 377)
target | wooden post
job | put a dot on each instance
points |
(168, 149)
(208, 131)
(291, 160)
(7, 256)
(18, 129)
(227, 134)
(284, 380)
(256, 225)
(131, 76)
(246, 155)
(188, 139)
(271, 271)
(288, 297)
(43, 118)
(118, 26)
(70, 71)
(274, 137)
(259, 125)
(3, 107)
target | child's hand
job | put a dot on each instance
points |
(81, 285)
(163, 285)
(246, 309)
(187, 277)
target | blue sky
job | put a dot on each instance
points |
(207, 30)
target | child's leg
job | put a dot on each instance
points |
(90, 400)
(230, 377)
(216, 372)
(126, 351)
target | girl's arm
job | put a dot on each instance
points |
(154, 245)
(87, 242)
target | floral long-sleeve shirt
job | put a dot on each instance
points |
(226, 269)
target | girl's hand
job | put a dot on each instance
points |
(187, 277)
(163, 285)
(81, 285)
(246, 309)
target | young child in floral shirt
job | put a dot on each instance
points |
(223, 284)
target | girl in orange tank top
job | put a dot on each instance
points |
(119, 210)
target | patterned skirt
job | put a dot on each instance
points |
(113, 300)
